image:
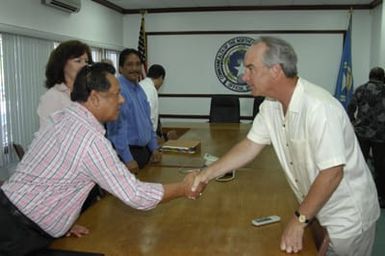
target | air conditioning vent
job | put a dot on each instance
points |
(70, 6)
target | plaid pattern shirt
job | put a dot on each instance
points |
(63, 163)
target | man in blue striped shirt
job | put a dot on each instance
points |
(132, 134)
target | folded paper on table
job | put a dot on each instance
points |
(182, 146)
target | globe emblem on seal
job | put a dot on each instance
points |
(229, 63)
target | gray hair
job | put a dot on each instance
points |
(279, 52)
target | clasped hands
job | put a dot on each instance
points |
(194, 183)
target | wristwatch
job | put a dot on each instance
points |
(301, 218)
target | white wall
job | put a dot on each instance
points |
(313, 68)
(94, 24)
(100, 26)
(258, 20)
(381, 32)
(377, 53)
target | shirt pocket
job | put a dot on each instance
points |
(301, 158)
(298, 150)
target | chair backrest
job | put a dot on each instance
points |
(19, 150)
(320, 236)
(224, 109)
(257, 102)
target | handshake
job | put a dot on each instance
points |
(197, 180)
(194, 183)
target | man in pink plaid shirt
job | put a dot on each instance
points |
(43, 198)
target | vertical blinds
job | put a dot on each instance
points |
(22, 74)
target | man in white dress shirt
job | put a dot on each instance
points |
(151, 84)
(317, 148)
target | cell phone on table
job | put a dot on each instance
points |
(260, 221)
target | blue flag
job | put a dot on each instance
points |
(344, 87)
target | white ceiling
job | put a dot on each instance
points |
(153, 4)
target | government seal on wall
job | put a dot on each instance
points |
(229, 63)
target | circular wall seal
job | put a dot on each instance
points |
(229, 63)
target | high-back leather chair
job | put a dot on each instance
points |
(257, 102)
(224, 109)
(19, 150)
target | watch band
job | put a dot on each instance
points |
(301, 217)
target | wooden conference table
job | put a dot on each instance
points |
(218, 223)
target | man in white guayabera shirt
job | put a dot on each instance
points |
(317, 148)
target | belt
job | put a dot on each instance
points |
(12, 209)
(138, 147)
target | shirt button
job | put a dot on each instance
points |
(291, 163)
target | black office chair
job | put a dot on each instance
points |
(19, 150)
(257, 102)
(224, 109)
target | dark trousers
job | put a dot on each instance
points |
(140, 154)
(18, 234)
(378, 152)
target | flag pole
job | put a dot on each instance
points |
(142, 44)
(344, 85)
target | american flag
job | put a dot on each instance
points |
(142, 47)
